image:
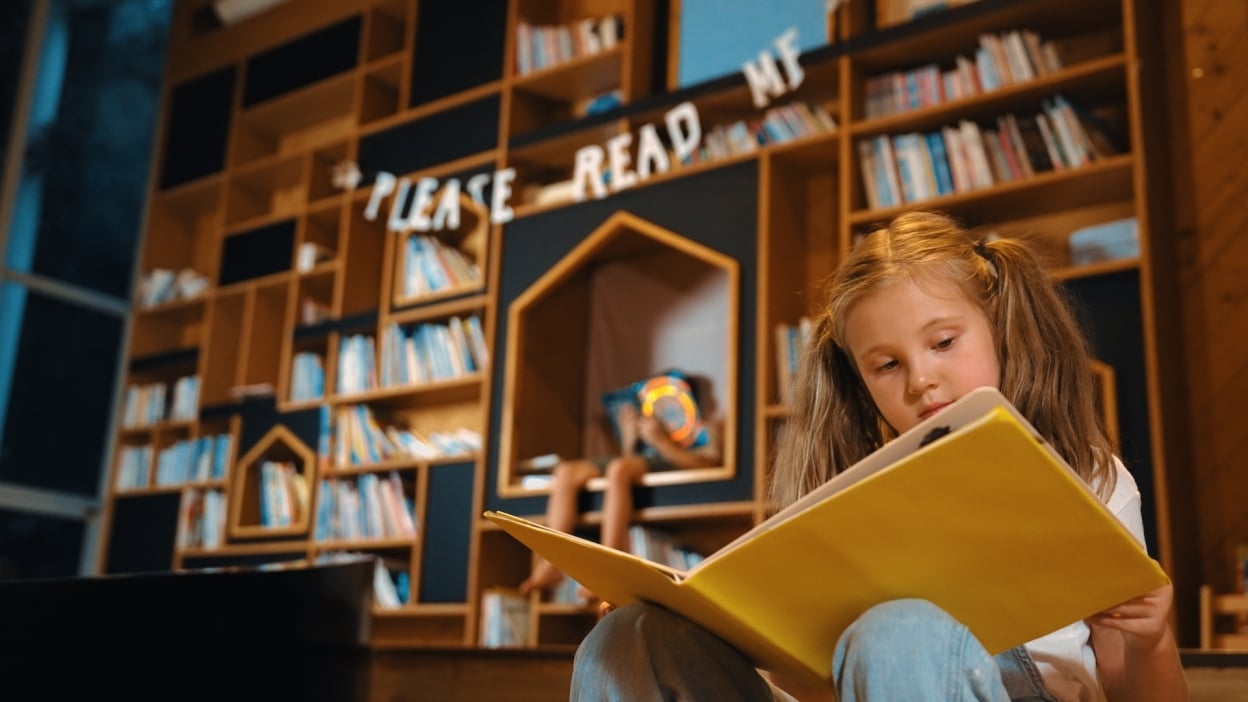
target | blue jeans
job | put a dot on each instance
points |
(907, 650)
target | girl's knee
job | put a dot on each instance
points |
(897, 622)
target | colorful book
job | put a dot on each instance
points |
(971, 509)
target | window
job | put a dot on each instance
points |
(78, 117)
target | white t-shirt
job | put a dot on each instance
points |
(1065, 657)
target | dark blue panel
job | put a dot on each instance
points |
(459, 45)
(257, 253)
(142, 535)
(198, 127)
(439, 138)
(448, 526)
(303, 61)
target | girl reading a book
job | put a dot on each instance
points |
(918, 315)
(670, 432)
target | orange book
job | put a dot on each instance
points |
(970, 509)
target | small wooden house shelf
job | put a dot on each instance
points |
(278, 445)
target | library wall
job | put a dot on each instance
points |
(293, 267)
(1209, 111)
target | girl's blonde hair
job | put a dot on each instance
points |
(1043, 355)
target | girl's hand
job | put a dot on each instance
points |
(1143, 621)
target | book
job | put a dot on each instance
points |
(986, 521)
(668, 396)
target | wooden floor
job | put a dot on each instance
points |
(403, 675)
(400, 675)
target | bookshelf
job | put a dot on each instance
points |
(260, 117)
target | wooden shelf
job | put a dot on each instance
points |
(389, 107)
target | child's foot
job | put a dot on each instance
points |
(544, 575)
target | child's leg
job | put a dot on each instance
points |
(569, 478)
(913, 651)
(617, 502)
(644, 652)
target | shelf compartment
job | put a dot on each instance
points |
(272, 191)
(1052, 18)
(441, 263)
(1096, 81)
(323, 161)
(1107, 180)
(249, 489)
(172, 327)
(576, 80)
(382, 92)
(385, 33)
(315, 115)
(182, 227)
(225, 332)
(551, 374)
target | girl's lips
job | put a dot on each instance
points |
(932, 409)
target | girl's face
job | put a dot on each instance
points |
(919, 347)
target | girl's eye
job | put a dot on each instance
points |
(886, 366)
(944, 343)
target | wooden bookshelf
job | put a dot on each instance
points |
(258, 117)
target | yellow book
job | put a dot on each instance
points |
(986, 521)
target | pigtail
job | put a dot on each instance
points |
(1044, 360)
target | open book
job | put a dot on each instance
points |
(984, 519)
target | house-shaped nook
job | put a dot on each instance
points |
(273, 482)
(631, 300)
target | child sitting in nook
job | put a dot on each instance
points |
(660, 426)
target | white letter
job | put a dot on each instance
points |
(787, 45)
(425, 188)
(650, 149)
(499, 211)
(382, 186)
(764, 79)
(398, 222)
(686, 141)
(617, 150)
(588, 167)
(475, 185)
(448, 207)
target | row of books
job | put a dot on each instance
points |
(366, 507)
(145, 404)
(392, 587)
(540, 46)
(357, 372)
(195, 460)
(429, 351)
(160, 286)
(283, 494)
(913, 167)
(1004, 59)
(778, 124)
(360, 439)
(309, 254)
(133, 467)
(504, 619)
(201, 519)
(661, 547)
(307, 377)
(791, 341)
(431, 265)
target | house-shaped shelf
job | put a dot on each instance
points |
(273, 501)
(629, 300)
